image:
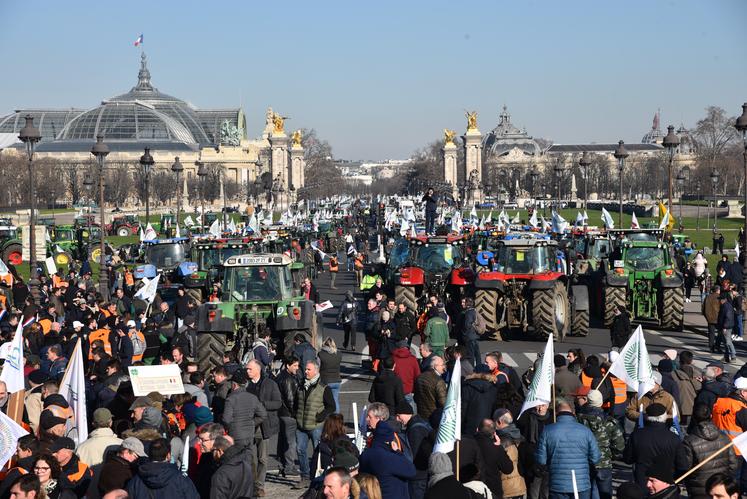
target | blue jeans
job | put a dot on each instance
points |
(738, 326)
(335, 389)
(725, 336)
(601, 485)
(430, 222)
(582, 494)
(302, 444)
(410, 398)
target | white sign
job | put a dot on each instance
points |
(51, 266)
(321, 307)
(166, 379)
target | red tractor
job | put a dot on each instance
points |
(524, 286)
(124, 225)
(424, 266)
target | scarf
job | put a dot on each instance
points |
(510, 432)
(308, 382)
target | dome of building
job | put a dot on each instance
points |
(654, 136)
(505, 137)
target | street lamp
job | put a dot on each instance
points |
(741, 126)
(714, 182)
(147, 162)
(620, 154)
(201, 174)
(681, 186)
(178, 169)
(100, 151)
(584, 163)
(225, 214)
(558, 172)
(88, 184)
(698, 186)
(30, 135)
(671, 141)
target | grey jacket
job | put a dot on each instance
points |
(268, 393)
(243, 411)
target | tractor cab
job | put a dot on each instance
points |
(166, 254)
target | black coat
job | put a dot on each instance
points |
(288, 386)
(242, 412)
(449, 488)
(701, 441)
(387, 389)
(620, 330)
(479, 395)
(652, 443)
(114, 474)
(726, 316)
(712, 390)
(418, 434)
(234, 477)
(496, 462)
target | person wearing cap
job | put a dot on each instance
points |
(656, 395)
(74, 473)
(609, 437)
(233, 476)
(33, 398)
(660, 481)
(99, 440)
(119, 467)
(243, 411)
(564, 446)
(159, 477)
(417, 431)
(652, 443)
(716, 383)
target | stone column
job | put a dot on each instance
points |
(298, 164)
(279, 157)
(473, 158)
(450, 165)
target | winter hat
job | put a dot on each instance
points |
(671, 353)
(661, 469)
(102, 415)
(197, 414)
(48, 420)
(630, 490)
(62, 443)
(37, 377)
(56, 399)
(77, 324)
(655, 410)
(665, 366)
(595, 398)
(403, 408)
(345, 455)
(151, 417)
(439, 467)
(558, 360)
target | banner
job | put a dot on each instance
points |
(73, 389)
(540, 390)
(450, 429)
(634, 365)
(148, 292)
(165, 379)
(13, 368)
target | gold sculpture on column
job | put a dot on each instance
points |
(277, 122)
(449, 136)
(471, 120)
(296, 137)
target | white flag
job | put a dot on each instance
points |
(664, 221)
(73, 388)
(533, 219)
(586, 217)
(185, 457)
(634, 365)
(13, 368)
(473, 212)
(456, 222)
(178, 233)
(404, 227)
(634, 222)
(579, 219)
(450, 429)
(253, 224)
(215, 228)
(11, 432)
(516, 219)
(558, 222)
(148, 292)
(736, 248)
(142, 234)
(540, 391)
(740, 442)
(231, 226)
(150, 233)
(188, 222)
(607, 219)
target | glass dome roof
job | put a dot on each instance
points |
(505, 137)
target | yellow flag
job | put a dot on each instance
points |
(663, 213)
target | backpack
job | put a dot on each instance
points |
(138, 345)
(480, 325)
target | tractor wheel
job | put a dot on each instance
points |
(210, 349)
(580, 323)
(13, 254)
(123, 231)
(486, 304)
(613, 297)
(95, 254)
(673, 308)
(63, 258)
(551, 312)
(406, 295)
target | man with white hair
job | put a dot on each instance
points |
(715, 384)
(655, 395)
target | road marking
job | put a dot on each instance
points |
(357, 391)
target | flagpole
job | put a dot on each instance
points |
(700, 464)
(554, 412)
(457, 459)
(603, 378)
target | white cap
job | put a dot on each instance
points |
(130, 323)
(77, 324)
(671, 353)
(740, 383)
(614, 354)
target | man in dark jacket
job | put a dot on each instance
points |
(387, 386)
(160, 478)
(118, 469)
(494, 456)
(441, 480)
(431, 203)
(287, 382)
(620, 327)
(243, 411)
(234, 477)
(266, 390)
(566, 383)
(385, 460)
(430, 389)
(668, 384)
(470, 337)
(654, 442)
(726, 324)
(304, 351)
(418, 435)
(715, 384)
(479, 395)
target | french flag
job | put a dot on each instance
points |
(139, 40)
(29, 321)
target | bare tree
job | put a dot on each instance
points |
(117, 183)
(322, 176)
(713, 134)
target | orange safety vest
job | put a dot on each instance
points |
(359, 263)
(46, 325)
(333, 265)
(8, 278)
(103, 335)
(621, 390)
(82, 472)
(138, 358)
(129, 279)
(724, 416)
(586, 380)
(4, 301)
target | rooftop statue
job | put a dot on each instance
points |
(229, 134)
(296, 137)
(278, 121)
(471, 120)
(449, 136)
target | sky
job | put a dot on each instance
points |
(382, 79)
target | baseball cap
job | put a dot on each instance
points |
(141, 402)
(62, 443)
(134, 445)
(102, 415)
(717, 364)
(77, 324)
(740, 383)
(131, 323)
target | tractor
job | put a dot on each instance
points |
(258, 293)
(124, 225)
(423, 266)
(209, 255)
(525, 286)
(588, 257)
(10, 243)
(167, 255)
(70, 242)
(643, 277)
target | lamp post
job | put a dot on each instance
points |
(698, 185)
(30, 135)
(681, 186)
(100, 151)
(741, 126)
(178, 168)
(201, 174)
(670, 142)
(714, 181)
(620, 154)
(88, 184)
(584, 163)
(147, 162)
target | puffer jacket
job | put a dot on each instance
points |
(234, 476)
(703, 440)
(479, 395)
(242, 413)
(567, 446)
(430, 393)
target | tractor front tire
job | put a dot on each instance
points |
(63, 258)
(580, 323)
(13, 254)
(673, 308)
(123, 232)
(210, 350)
(406, 295)
(486, 304)
(551, 312)
(613, 297)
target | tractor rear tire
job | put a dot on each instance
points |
(551, 312)
(613, 297)
(123, 232)
(406, 295)
(580, 323)
(13, 254)
(63, 258)
(486, 304)
(673, 308)
(210, 349)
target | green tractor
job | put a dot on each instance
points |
(644, 279)
(209, 255)
(588, 255)
(258, 292)
(10, 243)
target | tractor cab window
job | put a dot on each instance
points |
(209, 258)
(63, 235)
(400, 253)
(645, 258)
(262, 283)
(165, 255)
(602, 248)
(8, 233)
(526, 260)
(438, 257)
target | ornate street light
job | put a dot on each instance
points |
(178, 168)
(620, 154)
(201, 174)
(681, 186)
(584, 163)
(741, 126)
(671, 142)
(698, 186)
(100, 151)
(30, 136)
(88, 184)
(714, 181)
(147, 162)
(558, 174)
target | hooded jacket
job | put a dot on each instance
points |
(234, 476)
(496, 462)
(387, 389)
(406, 367)
(391, 467)
(479, 395)
(162, 480)
(701, 441)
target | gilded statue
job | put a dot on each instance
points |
(471, 120)
(278, 121)
(449, 136)
(296, 137)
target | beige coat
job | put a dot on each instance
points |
(513, 484)
(92, 450)
(34, 408)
